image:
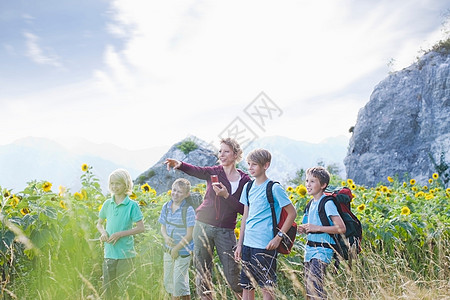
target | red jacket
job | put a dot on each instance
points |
(215, 210)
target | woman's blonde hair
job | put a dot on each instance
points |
(234, 145)
(123, 176)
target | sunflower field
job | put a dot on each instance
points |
(50, 249)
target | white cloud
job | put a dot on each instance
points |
(37, 54)
(191, 67)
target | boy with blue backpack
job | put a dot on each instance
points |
(319, 248)
(177, 224)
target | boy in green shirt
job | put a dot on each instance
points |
(121, 213)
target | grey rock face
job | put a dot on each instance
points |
(404, 130)
(161, 180)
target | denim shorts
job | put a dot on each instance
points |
(258, 266)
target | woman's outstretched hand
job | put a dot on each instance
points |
(172, 163)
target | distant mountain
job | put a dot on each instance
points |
(289, 156)
(60, 162)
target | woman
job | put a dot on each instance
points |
(216, 216)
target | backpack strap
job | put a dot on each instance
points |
(269, 195)
(321, 210)
(184, 209)
(249, 186)
(184, 213)
(324, 219)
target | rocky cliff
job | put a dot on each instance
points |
(404, 130)
(161, 180)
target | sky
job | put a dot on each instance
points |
(140, 74)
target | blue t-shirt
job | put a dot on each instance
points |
(312, 217)
(119, 218)
(258, 227)
(177, 232)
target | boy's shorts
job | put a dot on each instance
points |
(314, 278)
(176, 275)
(258, 266)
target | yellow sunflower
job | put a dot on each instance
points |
(349, 181)
(78, 196)
(62, 190)
(290, 189)
(361, 207)
(412, 182)
(435, 176)
(62, 204)
(301, 190)
(14, 201)
(84, 167)
(24, 211)
(133, 196)
(47, 186)
(237, 232)
(419, 194)
(145, 188)
(405, 211)
(390, 179)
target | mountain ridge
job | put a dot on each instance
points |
(59, 161)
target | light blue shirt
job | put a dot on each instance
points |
(312, 217)
(258, 227)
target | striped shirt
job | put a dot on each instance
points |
(169, 218)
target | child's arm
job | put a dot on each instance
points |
(238, 251)
(135, 230)
(167, 239)
(185, 240)
(104, 235)
(292, 213)
(337, 228)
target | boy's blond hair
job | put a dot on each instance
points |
(259, 156)
(320, 173)
(233, 144)
(123, 176)
(182, 183)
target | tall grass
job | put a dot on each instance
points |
(49, 252)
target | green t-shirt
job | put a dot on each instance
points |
(119, 218)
